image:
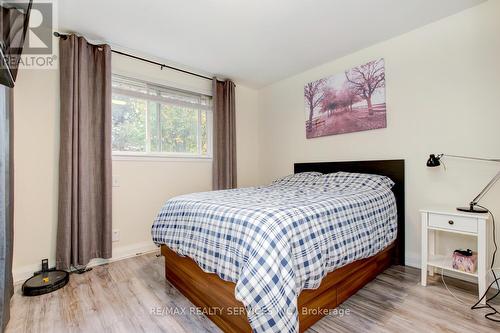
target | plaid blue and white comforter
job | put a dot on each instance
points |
(275, 241)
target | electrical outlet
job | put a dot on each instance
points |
(116, 181)
(116, 235)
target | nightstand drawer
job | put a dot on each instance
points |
(458, 223)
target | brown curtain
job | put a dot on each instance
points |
(84, 225)
(224, 144)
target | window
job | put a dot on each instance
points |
(150, 120)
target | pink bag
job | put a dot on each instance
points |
(465, 263)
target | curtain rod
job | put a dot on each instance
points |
(63, 36)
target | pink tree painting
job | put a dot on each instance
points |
(349, 102)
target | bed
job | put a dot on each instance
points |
(280, 257)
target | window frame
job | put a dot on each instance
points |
(158, 101)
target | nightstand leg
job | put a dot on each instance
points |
(482, 261)
(424, 250)
(432, 248)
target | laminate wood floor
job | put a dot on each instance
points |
(133, 296)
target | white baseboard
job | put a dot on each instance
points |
(412, 261)
(124, 252)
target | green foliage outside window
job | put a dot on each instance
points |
(150, 126)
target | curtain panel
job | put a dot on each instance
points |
(85, 181)
(224, 144)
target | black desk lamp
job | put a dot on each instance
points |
(434, 161)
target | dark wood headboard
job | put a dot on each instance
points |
(394, 169)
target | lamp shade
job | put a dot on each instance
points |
(433, 161)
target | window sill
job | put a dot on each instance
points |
(159, 158)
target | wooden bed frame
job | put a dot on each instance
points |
(215, 297)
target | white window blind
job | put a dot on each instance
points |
(153, 120)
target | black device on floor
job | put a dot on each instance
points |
(45, 281)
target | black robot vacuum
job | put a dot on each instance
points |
(45, 281)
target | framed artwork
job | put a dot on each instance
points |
(347, 102)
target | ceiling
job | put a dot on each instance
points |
(254, 42)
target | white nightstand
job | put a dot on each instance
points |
(453, 221)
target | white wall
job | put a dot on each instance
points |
(144, 185)
(443, 95)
